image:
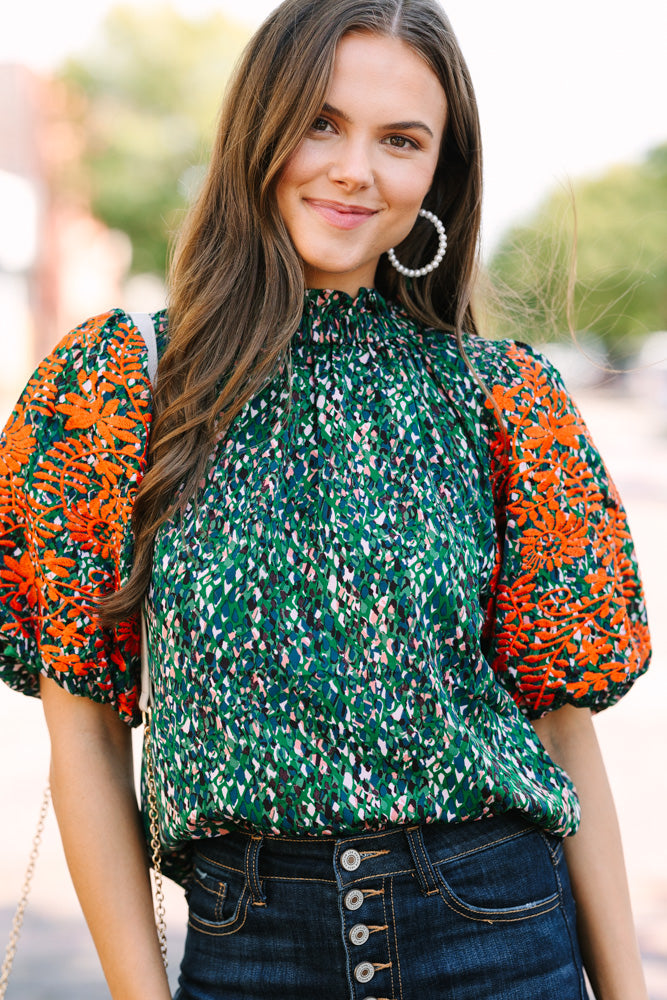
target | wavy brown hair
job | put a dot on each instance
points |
(236, 282)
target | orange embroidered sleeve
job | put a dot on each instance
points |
(71, 457)
(569, 621)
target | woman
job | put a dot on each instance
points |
(385, 574)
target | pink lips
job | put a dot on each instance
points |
(340, 215)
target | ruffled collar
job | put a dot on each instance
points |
(331, 316)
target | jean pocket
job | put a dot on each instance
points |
(514, 878)
(217, 898)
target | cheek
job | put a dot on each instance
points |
(287, 196)
(284, 188)
(302, 166)
(408, 191)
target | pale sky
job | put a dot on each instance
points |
(564, 89)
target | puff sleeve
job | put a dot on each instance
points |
(71, 457)
(567, 621)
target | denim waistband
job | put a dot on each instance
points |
(342, 860)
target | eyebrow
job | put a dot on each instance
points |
(391, 126)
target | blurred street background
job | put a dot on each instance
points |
(106, 117)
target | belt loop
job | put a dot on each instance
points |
(426, 877)
(252, 869)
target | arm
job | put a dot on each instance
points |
(595, 860)
(93, 794)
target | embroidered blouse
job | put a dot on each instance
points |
(375, 592)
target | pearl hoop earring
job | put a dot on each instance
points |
(419, 272)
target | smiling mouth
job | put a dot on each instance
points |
(339, 215)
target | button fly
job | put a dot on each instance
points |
(350, 860)
(364, 972)
(353, 899)
(359, 934)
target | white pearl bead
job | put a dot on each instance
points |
(428, 268)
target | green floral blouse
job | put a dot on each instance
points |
(373, 595)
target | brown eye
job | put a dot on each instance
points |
(320, 125)
(402, 142)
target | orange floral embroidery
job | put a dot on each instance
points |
(566, 586)
(20, 576)
(21, 443)
(556, 538)
(74, 495)
(92, 526)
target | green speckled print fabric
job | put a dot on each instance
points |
(374, 593)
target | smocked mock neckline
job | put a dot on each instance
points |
(331, 315)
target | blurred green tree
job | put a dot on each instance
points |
(620, 292)
(145, 99)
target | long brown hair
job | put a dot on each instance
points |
(236, 280)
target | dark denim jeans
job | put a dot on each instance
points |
(471, 911)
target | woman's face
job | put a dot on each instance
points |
(353, 187)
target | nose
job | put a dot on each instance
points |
(351, 167)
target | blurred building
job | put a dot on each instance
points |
(58, 265)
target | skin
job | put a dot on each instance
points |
(92, 786)
(353, 187)
(350, 191)
(595, 861)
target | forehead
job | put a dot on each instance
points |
(381, 73)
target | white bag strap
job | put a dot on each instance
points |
(146, 328)
(146, 695)
(144, 325)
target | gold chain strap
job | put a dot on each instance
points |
(160, 921)
(155, 840)
(23, 901)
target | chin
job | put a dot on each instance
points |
(337, 271)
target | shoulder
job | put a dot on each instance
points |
(502, 363)
(106, 343)
(103, 362)
(511, 371)
(88, 403)
(511, 363)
